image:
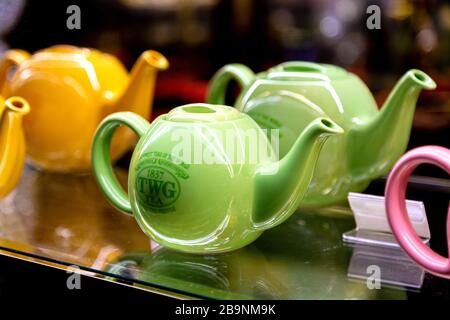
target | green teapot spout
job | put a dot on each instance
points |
(280, 186)
(385, 138)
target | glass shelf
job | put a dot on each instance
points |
(64, 219)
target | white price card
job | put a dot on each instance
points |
(372, 226)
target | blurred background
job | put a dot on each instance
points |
(200, 36)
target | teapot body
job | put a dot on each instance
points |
(72, 89)
(205, 178)
(198, 204)
(289, 97)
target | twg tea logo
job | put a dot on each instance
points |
(157, 187)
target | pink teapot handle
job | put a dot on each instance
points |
(396, 207)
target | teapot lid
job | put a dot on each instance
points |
(203, 113)
(312, 69)
(67, 52)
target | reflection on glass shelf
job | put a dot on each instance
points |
(241, 274)
(390, 266)
(66, 219)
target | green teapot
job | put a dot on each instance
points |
(205, 178)
(290, 95)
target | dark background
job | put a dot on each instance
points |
(200, 36)
(22, 281)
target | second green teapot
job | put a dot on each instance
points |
(205, 178)
(289, 96)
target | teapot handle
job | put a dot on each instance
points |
(242, 74)
(396, 209)
(12, 58)
(101, 160)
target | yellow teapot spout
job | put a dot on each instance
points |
(138, 96)
(12, 142)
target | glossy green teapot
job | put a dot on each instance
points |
(205, 178)
(289, 96)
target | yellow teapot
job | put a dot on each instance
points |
(71, 90)
(12, 142)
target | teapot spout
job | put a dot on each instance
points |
(12, 144)
(138, 96)
(279, 186)
(383, 140)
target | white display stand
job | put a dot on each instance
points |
(372, 227)
(375, 246)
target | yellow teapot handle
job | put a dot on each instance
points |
(12, 58)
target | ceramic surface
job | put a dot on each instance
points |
(289, 96)
(216, 203)
(12, 144)
(396, 208)
(71, 90)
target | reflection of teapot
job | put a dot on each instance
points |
(12, 144)
(241, 274)
(213, 204)
(301, 259)
(289, 95)
(307, 253)
(72, 89)
(396, 208)
(65, 217)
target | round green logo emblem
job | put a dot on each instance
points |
(157, 187)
